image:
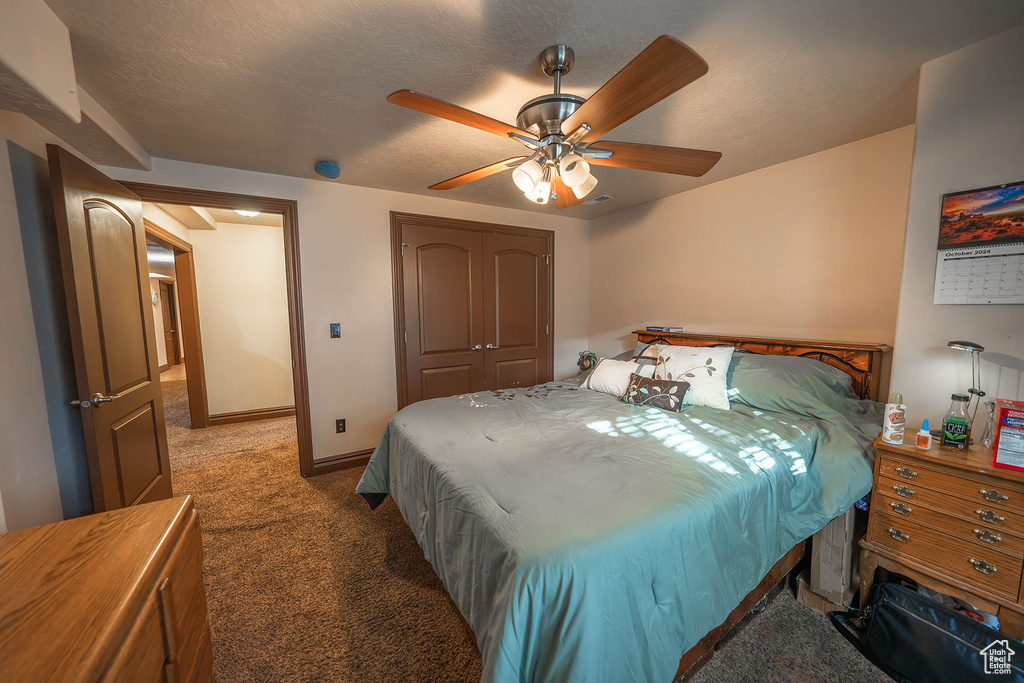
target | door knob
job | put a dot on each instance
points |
(97, 398)
(492, 347)
(476, 348)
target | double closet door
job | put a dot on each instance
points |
(473, 306)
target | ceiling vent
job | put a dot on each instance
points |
(598, 199)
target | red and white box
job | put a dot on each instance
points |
(1008, 448)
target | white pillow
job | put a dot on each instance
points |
(705, 368)
(612, 376)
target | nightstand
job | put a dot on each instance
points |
(952, 522)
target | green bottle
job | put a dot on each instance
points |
(956, 426)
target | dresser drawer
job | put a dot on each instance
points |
(1000, 496)
(142, 656)
(980, 513)
(948, 553)
(982, 534)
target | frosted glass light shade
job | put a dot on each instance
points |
(527, 175)
(584, 188)
(574, 169)
(541, 194)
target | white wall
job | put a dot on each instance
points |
(807, 249)
(36, 425)
(345, 252)
(970, 134)
(243, 317)
(158, 320)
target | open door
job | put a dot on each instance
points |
(106, 278)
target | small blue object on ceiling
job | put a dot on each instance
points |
(328, 169)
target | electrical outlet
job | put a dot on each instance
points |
(335, 330)
(340, 425)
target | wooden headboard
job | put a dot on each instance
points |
(867, 364)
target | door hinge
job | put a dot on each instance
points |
(547, 259)
(547, 329)
(405, 337)
(403, 248)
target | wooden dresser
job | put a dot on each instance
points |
(115, 596)
(952, 522)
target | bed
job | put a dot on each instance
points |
(587, 539)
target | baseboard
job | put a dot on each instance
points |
(162, 368)
(251, 415)
(341, 462)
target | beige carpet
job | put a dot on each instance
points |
(305, 583)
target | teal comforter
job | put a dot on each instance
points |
(585, 539)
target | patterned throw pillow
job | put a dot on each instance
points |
(705, 368)
(659, 393)
(612, 376)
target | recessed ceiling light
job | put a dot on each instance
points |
(247, 214)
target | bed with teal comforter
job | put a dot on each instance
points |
(587, 539)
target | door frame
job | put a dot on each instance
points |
(188, 307)
(288, 208)
(398, 221)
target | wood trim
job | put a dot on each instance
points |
(343, 461)
(289, 210)
(866, 364)
(165, 238)
(163, 368)
(398, 220)
(251, 415)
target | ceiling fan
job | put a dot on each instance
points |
(563, 131)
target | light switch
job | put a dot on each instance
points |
(335, 330)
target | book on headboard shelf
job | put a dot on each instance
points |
(660, 328)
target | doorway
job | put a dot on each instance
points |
(184, 254)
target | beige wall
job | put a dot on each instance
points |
(29, 486)
(345, 249)
(969, 135)
(807, 249)
(243, 317)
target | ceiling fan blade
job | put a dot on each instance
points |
(665, 66)
(566, 197)
(445, 110)
(678, 160)
(475, 175)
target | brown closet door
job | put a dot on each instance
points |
(443, 302)
(516, 301)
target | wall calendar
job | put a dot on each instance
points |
(981, 247)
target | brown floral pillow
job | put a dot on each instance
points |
(660, 393)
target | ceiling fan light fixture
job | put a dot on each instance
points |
(542, 192)
(574, 169)
(584, 188)
(527, 175)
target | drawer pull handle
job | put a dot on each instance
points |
(899, 535)
(990, 517)
(900, 508)
(988, 536)
(983, 566)
(906, 472)
(904, 491)
(994, 496)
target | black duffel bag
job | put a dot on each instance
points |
(916, 640)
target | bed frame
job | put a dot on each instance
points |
(868, 365)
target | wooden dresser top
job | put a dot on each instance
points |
(69, 588)
(975, 459)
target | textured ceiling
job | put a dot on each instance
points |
(275, 85)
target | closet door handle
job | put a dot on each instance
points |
(492, 347)
(477, 348)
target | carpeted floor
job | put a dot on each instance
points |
(305, 583)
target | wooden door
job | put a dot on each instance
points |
(516, 304)
(103, 257)
(443, 302)
(170, 323)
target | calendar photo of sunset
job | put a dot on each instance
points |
(986, 217)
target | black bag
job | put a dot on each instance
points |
(916, 640)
